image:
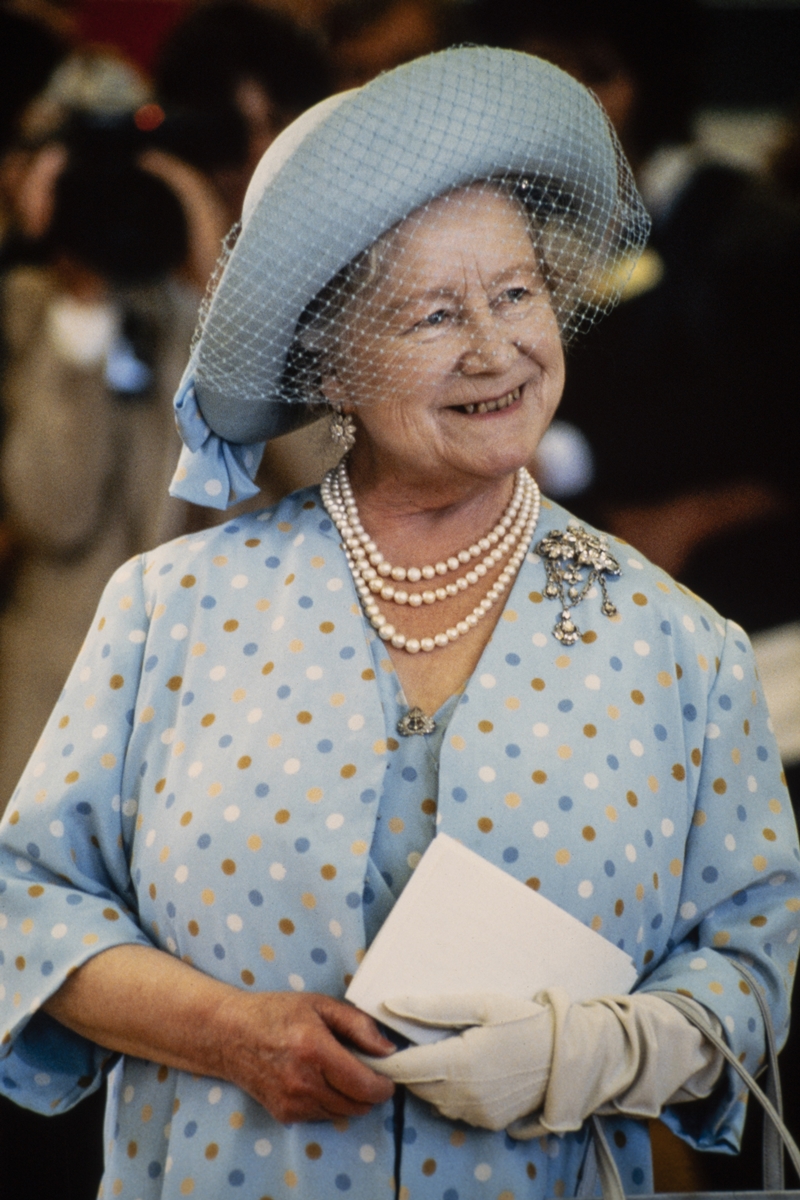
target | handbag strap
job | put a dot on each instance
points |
(773, 1174)
(771, 1146)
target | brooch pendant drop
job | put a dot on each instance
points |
(566, 555)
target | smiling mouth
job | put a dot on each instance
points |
(489, 406)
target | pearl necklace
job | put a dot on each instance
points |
(515, 528)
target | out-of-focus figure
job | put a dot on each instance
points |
(366, 37)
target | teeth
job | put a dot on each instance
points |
(494, 405)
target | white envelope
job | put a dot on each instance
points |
(463, 925)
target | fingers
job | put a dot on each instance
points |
(461, 1010)
(354, 1026)
(420, 1064)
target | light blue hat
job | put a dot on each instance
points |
(351, 168)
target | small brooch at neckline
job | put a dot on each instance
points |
(565, 556)
(415, 721)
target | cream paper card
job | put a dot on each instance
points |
(463, 925)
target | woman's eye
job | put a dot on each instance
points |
(515, 294)
(435, 318)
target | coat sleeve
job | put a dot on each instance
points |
(65, 888)
(740, 891)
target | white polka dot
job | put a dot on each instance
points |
(231, 813)
(278, 871)
(57, 828)
(217, 673)
(116, 803)
(263, 1147)
(698, 964)
(297, 983)
(172, 945)
(85, 674)
(234, 923)
(591, 780)
(179, 632)
(487, 774)
(738, 673)
(195, 769)
(642, 648)
(129, 1093)
(367, 1154)
(667, 827)
(413, 859)
(212, 487)
(791, 936)
(355, 722)
(752, 783)
(59, 931)
(730, 1024)
(541, 829)
(39, 769)
(23, 866)
(488, 681)
(151, 837)
(215, 1095)
(688, 624)
(777, 880)
(712, 731)
(335, 928)
(278, 623)
(137, 636)
(298, 541)
(636, 747)
(585, 889)
(182, 874)
(130, 808)
(334, 821)
(539, 640)
(720, 628)
(314, 673)
(730, 842)
(634, 562)
(41, 1080)
(593, 683)
(688, 910)
(239, 581)
(168, 737)
(540, 729)
(99, 731)
(334, 585)
(254, 715)
(483, 1172)
(630, 853)
(291, 766)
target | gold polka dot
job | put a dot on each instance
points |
(164, 855)
(613, 712)
(289, 578)
(611, 812)
(262, 605)
(539, 776)
(562, 661)
(457, 742)
(639, 598)
(231, 626)
(108, 761)
(664, 678)
(590, 731)
(147, 714)
(228, 866)
(314, 794)
(186, 818)
(72, 777)
(316, 561)
(509, 615)
(268, 668)
(676, 867)
(212, 1150)
(63, 723)
(359, 847)
(678, 772)
(564, 752)
(304, 717)
(596, 922)
(337, 700)
(313, 1151)
(619, 908)
(188, 581)
(485, 726)
(775, 806)
(759, 922)
(721, 938)
(746, 728)
(396, 824)
(716, 988)
(286, 926)
(589, 637)
(485, 824)
(193, 928)
(19, 963)
(533, 883)
(35, 890)
(428, 806)
(162, 1074)
(254, 842)
(348, 771)
(637, 697)
(720, 786)
(244, 762)
(290, 1178)
(589, 833)
(648, 957)
(308, 900)
(640, 892)
(267, 953)
(535, 597)
(530, 1170)
(208, 719)
(699, 819)
(116, 1187)
(393, 743)
(562, 857)
(652, 783)
(147, 1113)
(220, 560)
(368, 674)
(296, 646)
(238, 695)
(429, 1167)
(632, 799)
(328, 871)
(770, 834)
(736, 755)
(274, 740)
(282, 816)
(253, 542)
(207, 896)
(512, 703)
(116, 682)
(14, 818)
(512, 799)
(655, 880)
(247, 978)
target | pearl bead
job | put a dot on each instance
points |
(400, 597)
(441, 593)
(387, 632)
(474, 551)
(441, 639)
(413, 574)
(427, 644)
(398, 641)
(480, 570)
(376, 558)
(462, 626)
(398, 573)
(429, 597)
(471, 577)
(378, 621)
(412, 645)
(428, 572)
(463, 556)
(453, 564)
(387, 591)
(375, 585)
(415, 599)
(451, 589)
(471, 620)
(384, 568)
(441, 568)
(452, 635)
(462, 584)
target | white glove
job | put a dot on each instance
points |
(618, 1054)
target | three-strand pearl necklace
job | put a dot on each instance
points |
(375, 578)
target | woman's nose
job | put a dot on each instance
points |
(489, 347)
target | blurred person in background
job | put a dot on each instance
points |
(366, 37)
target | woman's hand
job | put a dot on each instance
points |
(283, 1048)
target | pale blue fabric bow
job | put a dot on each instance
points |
(211, 471)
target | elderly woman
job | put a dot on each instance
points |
(270, 720)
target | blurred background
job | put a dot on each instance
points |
(128, 133)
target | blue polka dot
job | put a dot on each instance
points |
(188, 698)
(388, 1124)
(565, 803)
(353, 900)
(104, 653)
(648, 837)
(208, 602)
(191, 1129)
(318, 955)
(9, 1083)
(705, 624)
(613, 762)
(325, 525)
(170, 800)
(325, 746)
(657, 921)
(219, 951)
(513, 660)
(236, 1178)
(151, 662)
(409, 1135)
(343, 1182)
(725, 703)
(154, 1170)
(74, 899)
(388, 878)
(250, 649)
(666, 628)
(615, 663)
(33, 850)
(47, 967)
(741, 646)
(143, 770)
(165, 570)
(762, 754)
(306, 602)
(409, 774)
(171, 910)
(283, 691)
(740, 898)
(129, 715)
(459, 795)
(768, 949)
(609, 868)
(637, 1175)
(272, 561)
(450, 1194)
(302, 845)
(255, 898)
(710, 874)
(741, 812)
(660, 732)
(510, 854)
(751, 1024)
(232, 528)
(690, 712)
(565, 706)
(84, 808)
(368, 795)
(225, 741)
(512, 750)
(346, 652)
(204, 841)
(262, 790)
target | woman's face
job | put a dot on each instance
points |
(451, 358)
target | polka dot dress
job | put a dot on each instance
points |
(210, 783)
